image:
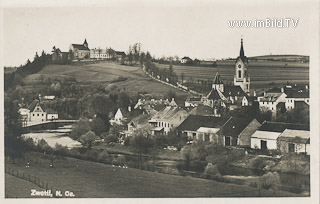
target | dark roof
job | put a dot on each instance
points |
(214, 95)
(234, 126)
(80, 47)
(217, 79)
(244, 59)
(194, 99)
(34, 104)
(194, 122)
(294, 94)
(120, 53)
(187, 58)
(280, 127)
(233, 91)
(202, 110)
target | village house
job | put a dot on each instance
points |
(152, 105)
(294, 141)
(80, 51)
(37, 112)
(237, 131)
(119, 118)
(266, 136)
(186, 60)
(294, 97)
(198, 127)
(249, 100)
(271, 101)
(139, 122)
(167, 119)
(100, 54)
(52, 114)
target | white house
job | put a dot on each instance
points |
(294, 97)
(52, 115)
(118, 118)
(269, 101)
(37, 112)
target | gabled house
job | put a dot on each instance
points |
(80, 51)
(198, 127)
(37, 112)
(167, 119)
(266, 136)
(229, 133)
(294, 97)
(186, 60)
(269, 101)
(294, 141)
(119, 118)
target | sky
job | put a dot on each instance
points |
(198, 29)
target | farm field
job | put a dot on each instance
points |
(107, 73)
(97, 180)
(262, 74)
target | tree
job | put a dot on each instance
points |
(87, 139)
(80, 128)
(98, 126)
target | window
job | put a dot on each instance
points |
(33, 114)
(37, 114)
(42, 114)
(239, 74)
(291, 147)
(263, 144)
(227, 141)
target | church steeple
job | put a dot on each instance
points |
(85, 43)
(241, 49)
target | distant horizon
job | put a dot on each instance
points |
(162, 29)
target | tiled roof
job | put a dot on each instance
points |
(167, 113)
(80, 47)
(194, 122)
(294, 94)
(244, 59)
(234, 126)
(296, 136)
(214, 95)
(270, 97)
(202, 110)
(233, 91)
(34, 104)
(280, 127)
(120, 53)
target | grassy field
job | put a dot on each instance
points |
(18, 187)
(262, 74)
(96, 180)
(105, 73)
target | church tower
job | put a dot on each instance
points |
(85, 43)
(217, 83)
(241, 77)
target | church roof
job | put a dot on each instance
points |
(217, 79)
(80, 47)
(214, 95)
(242, 56)
(233, 91)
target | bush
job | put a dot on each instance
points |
(111, 138)
(257, 163)
(103, 156)
(212, 170)
(270, 180)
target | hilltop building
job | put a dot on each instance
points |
(80, 51)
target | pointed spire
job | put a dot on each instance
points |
(241, 49)
(85, 43)
(217, 79)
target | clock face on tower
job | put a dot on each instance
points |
(239, 66)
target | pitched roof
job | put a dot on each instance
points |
(266, 135)
(234, 126)
(202, 110)
(187, 58)
(120, 53)
(80, 47)
(233, 91)
(296, 136)
(34, 104)
(217, 79)
(270, 97)
(214, 95)
(280, 127)
(167, 113)
(194, 122)
(294, 94)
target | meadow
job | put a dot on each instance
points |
(262, 74)
(128, 78)
(96, 180)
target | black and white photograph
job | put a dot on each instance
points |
(184, 100)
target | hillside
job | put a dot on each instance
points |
(113, 76)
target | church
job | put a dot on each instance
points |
(80, 51)
(230, 96)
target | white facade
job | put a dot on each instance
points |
(38, 114)
(268, 103)
(260, 138)
(52, 116)
(290, 102)
(206, 134)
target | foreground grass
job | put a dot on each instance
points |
(18, 187)
(96, 180)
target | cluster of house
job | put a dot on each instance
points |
(37, 112)
(82, 52)
(200, 119)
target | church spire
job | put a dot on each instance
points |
(241, 49)
(85, 43)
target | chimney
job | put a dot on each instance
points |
(254, 93)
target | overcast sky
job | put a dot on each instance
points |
(198, 29)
